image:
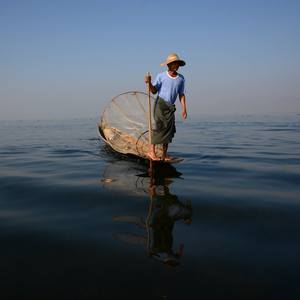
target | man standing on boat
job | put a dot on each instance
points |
(168, 85)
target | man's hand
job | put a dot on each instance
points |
(148, 81)
(183, 106)
(147, 78)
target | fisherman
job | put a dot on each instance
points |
(168, 85)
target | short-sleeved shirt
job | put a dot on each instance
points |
(169, 87)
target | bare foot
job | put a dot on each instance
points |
(168, 158)
(152, 156)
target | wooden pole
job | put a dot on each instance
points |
(149, 114)
(148, 219)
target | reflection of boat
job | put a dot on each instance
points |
(135, 178)
(124, 124)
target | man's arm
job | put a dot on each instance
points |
(183, 106)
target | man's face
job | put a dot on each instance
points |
(173, 66)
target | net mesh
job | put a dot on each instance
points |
(124, 124)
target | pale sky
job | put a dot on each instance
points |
(65, 59)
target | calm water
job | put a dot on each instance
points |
(79, 222)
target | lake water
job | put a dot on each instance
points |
(78, 221)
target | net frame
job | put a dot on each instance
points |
(124, 124)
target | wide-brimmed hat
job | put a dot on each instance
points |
(171, 58)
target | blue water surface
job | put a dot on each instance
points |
(78, 221)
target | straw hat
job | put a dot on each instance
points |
(171, 58)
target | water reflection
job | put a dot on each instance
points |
(165, 211)
(162, 211)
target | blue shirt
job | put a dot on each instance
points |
(169, 87)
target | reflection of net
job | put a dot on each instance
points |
(126, 176)
(124, 124)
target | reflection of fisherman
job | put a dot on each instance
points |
(163, 211)
(167, 209)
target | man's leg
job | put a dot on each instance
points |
(165, 149)
(152, 153)
(165, 156)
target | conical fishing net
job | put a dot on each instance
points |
(124, 124)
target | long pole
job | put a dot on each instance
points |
(149, 114)
(150, 171)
